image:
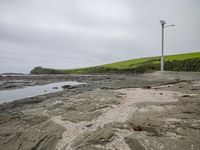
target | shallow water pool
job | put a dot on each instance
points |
(16, 94)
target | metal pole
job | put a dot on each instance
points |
(162, 57)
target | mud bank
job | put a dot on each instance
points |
(150, 111)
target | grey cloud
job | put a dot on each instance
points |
(80, 33)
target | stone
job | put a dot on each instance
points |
(99, 136)
(134, 143)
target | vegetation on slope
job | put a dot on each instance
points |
(136, 62)
(180, 62)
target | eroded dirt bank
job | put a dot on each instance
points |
(116, 112)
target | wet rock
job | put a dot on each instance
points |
(18, 131)
(100, 136)
(134, 143)
(28, 132)
(88, 125)
(75, 116)
(9, 86)
(120, 125)
(69, 87)
(186, 95)
(152, 127)
(87, 110)
(177, 80)
(90, 147)
(55, 88)
(153, 131)
(195, 88)
(146, 87)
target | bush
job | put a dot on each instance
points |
(183, 65)
(175, 65)
(40, 70)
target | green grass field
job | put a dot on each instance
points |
(135, 62)
(179, 62)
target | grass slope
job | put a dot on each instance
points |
(179, 62)
(136, 62)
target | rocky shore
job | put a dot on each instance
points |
(152, 111)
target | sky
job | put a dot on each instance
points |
(82, 33)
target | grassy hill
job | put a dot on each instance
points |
(136, 62)
(179, 62)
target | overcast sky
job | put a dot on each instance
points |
(81, 33)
